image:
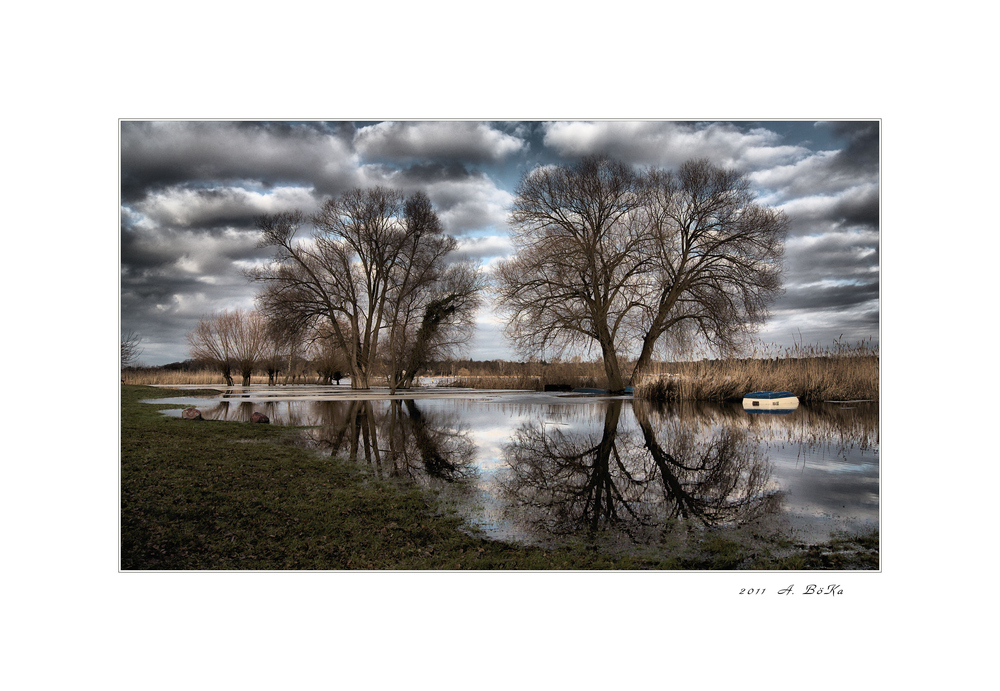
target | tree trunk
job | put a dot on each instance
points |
(656, 329)
(359, 379)
(611, 366)
(645, 357)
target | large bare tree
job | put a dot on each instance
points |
(437, 325)
(374, 264)
(609, 255)
(431, 303)
(580, 256)
(716, 258)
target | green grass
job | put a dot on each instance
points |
(230, 495)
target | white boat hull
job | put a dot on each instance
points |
(765, 404)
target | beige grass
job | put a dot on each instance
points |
(152, 377)
(813, 374)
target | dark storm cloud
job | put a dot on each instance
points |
(848, 172)
(828, 297)
(824, 326)
(859, 207)
(203, 208)
(856, 207)
(190, 191)
(207, 254)
(421, 174)
(861, 155)
(532, 133)
(157, 155)
(846, 255)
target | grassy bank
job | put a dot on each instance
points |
(229, 495)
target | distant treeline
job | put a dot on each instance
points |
(838, 373)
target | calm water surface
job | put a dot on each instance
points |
(544, 468)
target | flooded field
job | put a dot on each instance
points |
(618, 473)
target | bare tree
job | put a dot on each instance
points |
(284, 341)
(413, 284)
(274, 350)
(330, 361)
(365, 278)
(608, 255)
(210, 342)
(248, 336)
(230, 340)
(580, 253)
(717, 258)
(131, 349)
(437, 324)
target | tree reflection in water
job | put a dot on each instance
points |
(635, 483)
(238, 411)
(396, 439)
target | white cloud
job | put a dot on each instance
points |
(200, 207)
(810, 208)
(489, 248)
(817, 174)
(470, 204)
(671, 143)
(828, 210)
(473, 141)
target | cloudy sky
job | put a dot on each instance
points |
(190, 189)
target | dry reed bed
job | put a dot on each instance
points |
(813, 374)
(153, 377)
(843, 378)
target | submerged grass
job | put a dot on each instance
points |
(228, 495)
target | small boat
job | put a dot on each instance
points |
(770, 402)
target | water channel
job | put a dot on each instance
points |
(622, 474)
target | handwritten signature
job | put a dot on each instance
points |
(811, 589)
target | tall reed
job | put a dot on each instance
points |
(842, 372)
(152, 376)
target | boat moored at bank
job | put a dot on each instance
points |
(771, 402)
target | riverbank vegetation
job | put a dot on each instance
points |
(841, 372)
(228, 496)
